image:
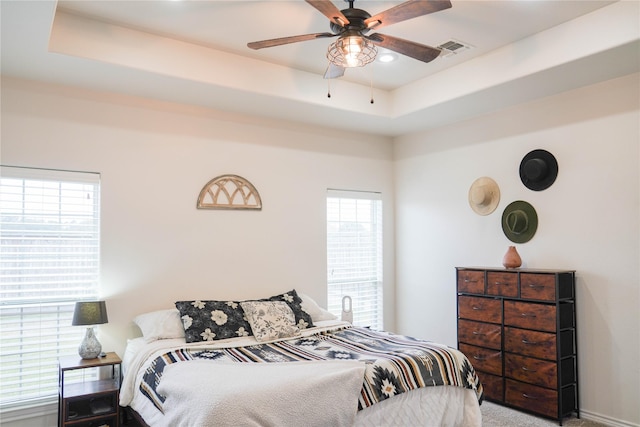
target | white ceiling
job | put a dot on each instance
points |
(194, 52)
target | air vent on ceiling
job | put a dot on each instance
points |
(453, 47)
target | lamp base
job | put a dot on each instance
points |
(90, 347)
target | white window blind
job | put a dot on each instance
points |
(49, 259)
(354, 255)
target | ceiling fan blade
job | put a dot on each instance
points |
(407, 10)
(415, 50)
(334, 71)
(330, 10)
(286, 40)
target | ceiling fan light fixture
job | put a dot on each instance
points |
(351, 50)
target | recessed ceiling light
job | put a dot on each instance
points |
(387, 57)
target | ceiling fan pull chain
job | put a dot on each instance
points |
(372, 85)
(328, 88)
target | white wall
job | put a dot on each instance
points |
(589, 220)
(155, 158)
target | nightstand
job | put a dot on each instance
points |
(93, 403)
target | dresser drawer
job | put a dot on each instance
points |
(530, 315)
(493, 386)
(478, 333)
(530, 343)
(532, 371)
(502, 283)
(479, 308)
(538, 286)
(483, 359)
(471, 281)
(532, 398)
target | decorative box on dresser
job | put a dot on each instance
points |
(518, 327)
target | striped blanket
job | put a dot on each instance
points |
(394, 364)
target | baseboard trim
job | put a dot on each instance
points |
(603, 419)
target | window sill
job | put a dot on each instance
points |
(28, 411)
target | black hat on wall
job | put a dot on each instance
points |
(538, 170)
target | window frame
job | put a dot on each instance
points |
(47, 265)
(367, 293)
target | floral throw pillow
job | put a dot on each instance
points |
(212, 320)
(206, 320)
(270, 320)
(303, 319)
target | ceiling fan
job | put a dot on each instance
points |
(354, 48)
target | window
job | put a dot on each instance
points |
(49, 259)
(354, 255)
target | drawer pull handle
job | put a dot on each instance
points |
(479, 357)
(535, 286)
(526, 396)
(475, 307)
(524, 368)
(528, 314)
(470, 281)
(478, 333)
(529, 342)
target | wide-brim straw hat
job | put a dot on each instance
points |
(519, 221)
(484, 195)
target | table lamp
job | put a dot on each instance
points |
(90, 313)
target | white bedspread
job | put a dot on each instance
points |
(261, 394)
(444, 406)
(136, 361)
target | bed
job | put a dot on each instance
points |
(284, 361)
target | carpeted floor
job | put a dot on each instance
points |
(499, 416)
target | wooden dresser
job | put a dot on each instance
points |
(518, 328)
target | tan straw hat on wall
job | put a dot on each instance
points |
(484, 195)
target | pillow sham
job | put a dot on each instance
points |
(270, 320)
(212, 320)
(316, 312)
(303, 319)
(161, 324)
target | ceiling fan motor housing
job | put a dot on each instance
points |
(356, 19)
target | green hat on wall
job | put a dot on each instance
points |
(519, 221)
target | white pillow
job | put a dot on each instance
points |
(161, 324)
(316, 312)
(270, 320)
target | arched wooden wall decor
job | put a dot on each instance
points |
(229, 192)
